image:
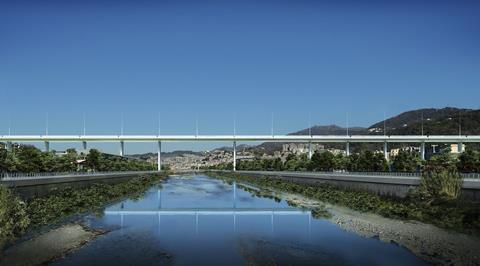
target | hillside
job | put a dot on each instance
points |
(443, 121)
(269, 147)
(146, 156)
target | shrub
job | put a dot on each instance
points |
(440, 180)
(13, 216)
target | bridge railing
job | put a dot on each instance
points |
(20, 176)
(399, 174)
(387, 174)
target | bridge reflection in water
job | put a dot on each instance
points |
(197, 212)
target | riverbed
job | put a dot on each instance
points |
(199, 220)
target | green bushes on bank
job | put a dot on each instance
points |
(13, 215)
(16, 215)
(365, 161)
(29, 159)
(440, 181)
(452, 214)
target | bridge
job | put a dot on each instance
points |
(346, 139)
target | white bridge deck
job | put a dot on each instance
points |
(267, 138)
(347, 139)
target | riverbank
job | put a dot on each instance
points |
(49, 246)
(459, 215)
(34, 187)
(427, 241)
(65, 202)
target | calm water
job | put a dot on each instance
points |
(197, 220)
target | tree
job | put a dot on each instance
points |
(406, 161)
(323, 161)
(291, 162)
(440, 180)
(29, 159)
(3, 158)
(367, 161)
(92, 160)
(352, 162)
(340, 162)
(469, 162)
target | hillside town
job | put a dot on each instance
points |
(208, 159)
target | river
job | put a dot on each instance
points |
(199, 220)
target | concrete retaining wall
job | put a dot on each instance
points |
(29, 188)
(391, 186)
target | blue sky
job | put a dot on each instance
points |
(215, 59)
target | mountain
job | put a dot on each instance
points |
(146, 156)
(445, 121)
(270, 147)
(330, 130)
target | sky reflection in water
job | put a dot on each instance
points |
(197, 220)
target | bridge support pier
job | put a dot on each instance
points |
(234, 155)
(460, 147)
(47, 146)
(159, 158)
(422, 151)
(84, 143)
(385, 150)
(347, 149)
(310, 150)
(122, 148)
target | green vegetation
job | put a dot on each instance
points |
(366, 161)
(13, 216)
(321, 161)
(16, 216)
(469, 162)
(440, 181)
(406, 161)
(451, 214)
(29, 159)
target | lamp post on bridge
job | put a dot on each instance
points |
(422, 150)
(122, 148)
(159, 159)
(385, 150)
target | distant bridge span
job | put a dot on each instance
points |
(347, 139)
(267, 138)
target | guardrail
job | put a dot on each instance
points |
(22, 176)
(399, 174)
(393, 174)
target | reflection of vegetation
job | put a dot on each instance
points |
(454, 214)
(15, 216)
(260, 193)
(321, 213)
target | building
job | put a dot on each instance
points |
(300, 148)
(454, 148)
(396, 151)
